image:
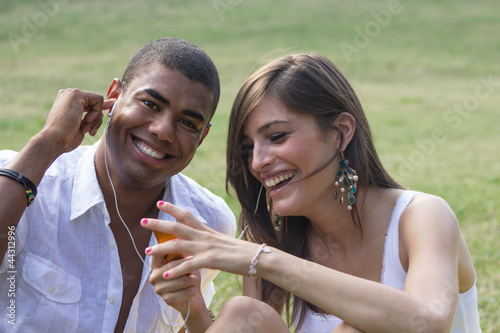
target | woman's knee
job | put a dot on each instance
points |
(247, 314)
(241, 304)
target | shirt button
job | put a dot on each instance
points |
(111, 245)
(111, 300)
(52, 290)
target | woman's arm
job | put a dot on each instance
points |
(430, 234)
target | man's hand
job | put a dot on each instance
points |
(74, 113)
(178, 291)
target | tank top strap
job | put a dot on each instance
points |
(393, 273)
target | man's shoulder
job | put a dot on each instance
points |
(190, 195)
(66, 164)
(182, 184)
(6, 156)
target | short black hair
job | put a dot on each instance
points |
(177, 54)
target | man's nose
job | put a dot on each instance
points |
(163, 127)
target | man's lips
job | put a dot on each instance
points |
(147, 150)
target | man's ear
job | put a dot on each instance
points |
(346, 124)
(114, 91)
(205, 134)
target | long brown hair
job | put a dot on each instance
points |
(307, 84)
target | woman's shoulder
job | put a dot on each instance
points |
(428, 214)
(425, 204)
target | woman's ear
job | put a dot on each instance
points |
(346, 125)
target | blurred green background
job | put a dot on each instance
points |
(427, 73)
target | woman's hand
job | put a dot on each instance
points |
(202, 246)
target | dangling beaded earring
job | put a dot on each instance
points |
(277, 222)
(346, 179)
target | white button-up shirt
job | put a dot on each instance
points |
(66, 274)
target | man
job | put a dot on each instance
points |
(72, 261)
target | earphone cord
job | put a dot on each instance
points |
(160, 301)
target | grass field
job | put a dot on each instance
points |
(427, 73)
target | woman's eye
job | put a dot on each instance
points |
(277, 137)
(246, 149)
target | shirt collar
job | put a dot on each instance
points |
(86, 190)
(179, 193)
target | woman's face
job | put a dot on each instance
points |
(285, 147)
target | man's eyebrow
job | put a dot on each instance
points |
(195, 114)
(155, 94)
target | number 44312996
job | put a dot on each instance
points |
(11, 247)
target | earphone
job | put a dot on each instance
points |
(160, 301)
(111, 113)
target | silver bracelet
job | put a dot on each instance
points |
(252, 270)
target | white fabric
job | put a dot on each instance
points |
(466, 318)
(67, 270)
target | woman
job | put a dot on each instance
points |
(341, 240)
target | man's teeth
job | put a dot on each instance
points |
(148, 151)
(279, 179)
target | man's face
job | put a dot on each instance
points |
(158, 123)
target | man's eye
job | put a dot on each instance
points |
(151, 105)
(188, 123)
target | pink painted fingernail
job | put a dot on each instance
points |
(161, 203)
(148, 250)
(144, 221)
(165, 275)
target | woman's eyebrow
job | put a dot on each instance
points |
(272, 123)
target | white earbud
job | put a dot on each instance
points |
(111, 113)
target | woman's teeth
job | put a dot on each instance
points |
(277, 180)
(148, 151)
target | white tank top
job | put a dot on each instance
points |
(466, 318)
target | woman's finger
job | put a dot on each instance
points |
(157, 261)
(181, 215)
(175, 292)
(185, 266)
(168, 227)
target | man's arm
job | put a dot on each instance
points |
(73, 114)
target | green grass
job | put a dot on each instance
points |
(421, 73)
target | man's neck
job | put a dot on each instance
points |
(131, 200)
